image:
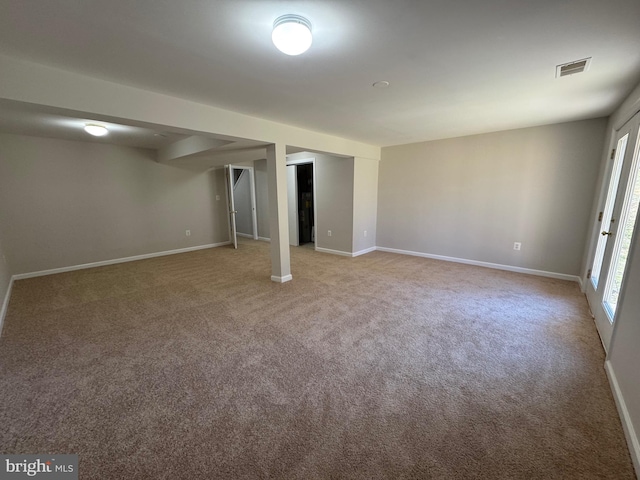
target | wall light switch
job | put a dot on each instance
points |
(218, 197)
(329, 233)
(187, 233)
(365, 233)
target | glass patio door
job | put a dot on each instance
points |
(617, 225)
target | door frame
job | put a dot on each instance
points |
(231, 215)
(252, 188)
(312, 161)
(292, 205)
(603, 182)
(603, 325)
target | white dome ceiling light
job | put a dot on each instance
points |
(292, 34)
(95, 130)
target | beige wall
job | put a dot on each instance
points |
(70, 203)
(365, 203)
(262, 197)
(335, 203)
(5, 274)
(334, 209)
(5, 280)
(624, 354)
(473, 197)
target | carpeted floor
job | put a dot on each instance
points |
(384, 366)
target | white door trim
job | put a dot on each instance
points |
(292, 205)
(230, 206)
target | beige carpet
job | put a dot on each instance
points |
(383, 366)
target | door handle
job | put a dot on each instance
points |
(603, 233)
(234, 211)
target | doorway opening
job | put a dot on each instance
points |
(306, 227)
(301, 188)
(241, 190)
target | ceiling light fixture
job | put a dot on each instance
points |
(95, 130)
(292, 34)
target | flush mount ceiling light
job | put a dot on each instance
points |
(95, 130)
(292, 34)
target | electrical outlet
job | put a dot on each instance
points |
(187, 233)
(218, 197)
(517, 246)
(365, 233)
(329, 233)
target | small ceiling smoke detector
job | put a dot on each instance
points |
(577, 66)
(95, 130)
(381, 84)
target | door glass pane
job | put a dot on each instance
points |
(623, 237)
(608, 209)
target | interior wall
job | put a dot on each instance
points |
(262, 197)
(473, 197)
(5, 274)
(365, 203)
(334, 200)
(5, 280)
(624, 355)
(69, 203)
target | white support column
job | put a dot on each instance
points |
(278, 212)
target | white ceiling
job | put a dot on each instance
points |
(455, 67)
(28, 119)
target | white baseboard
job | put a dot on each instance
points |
(264, 239)
(5, 304)
(333, 252)
(629, 431)
(345, 254)
(286, 278)
(362, 252)
(103, 263)
(496, 266)
(245, 235)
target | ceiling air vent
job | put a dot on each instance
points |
(570, 68)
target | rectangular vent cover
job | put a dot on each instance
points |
(570, 68)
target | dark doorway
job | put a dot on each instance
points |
(304, 175)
